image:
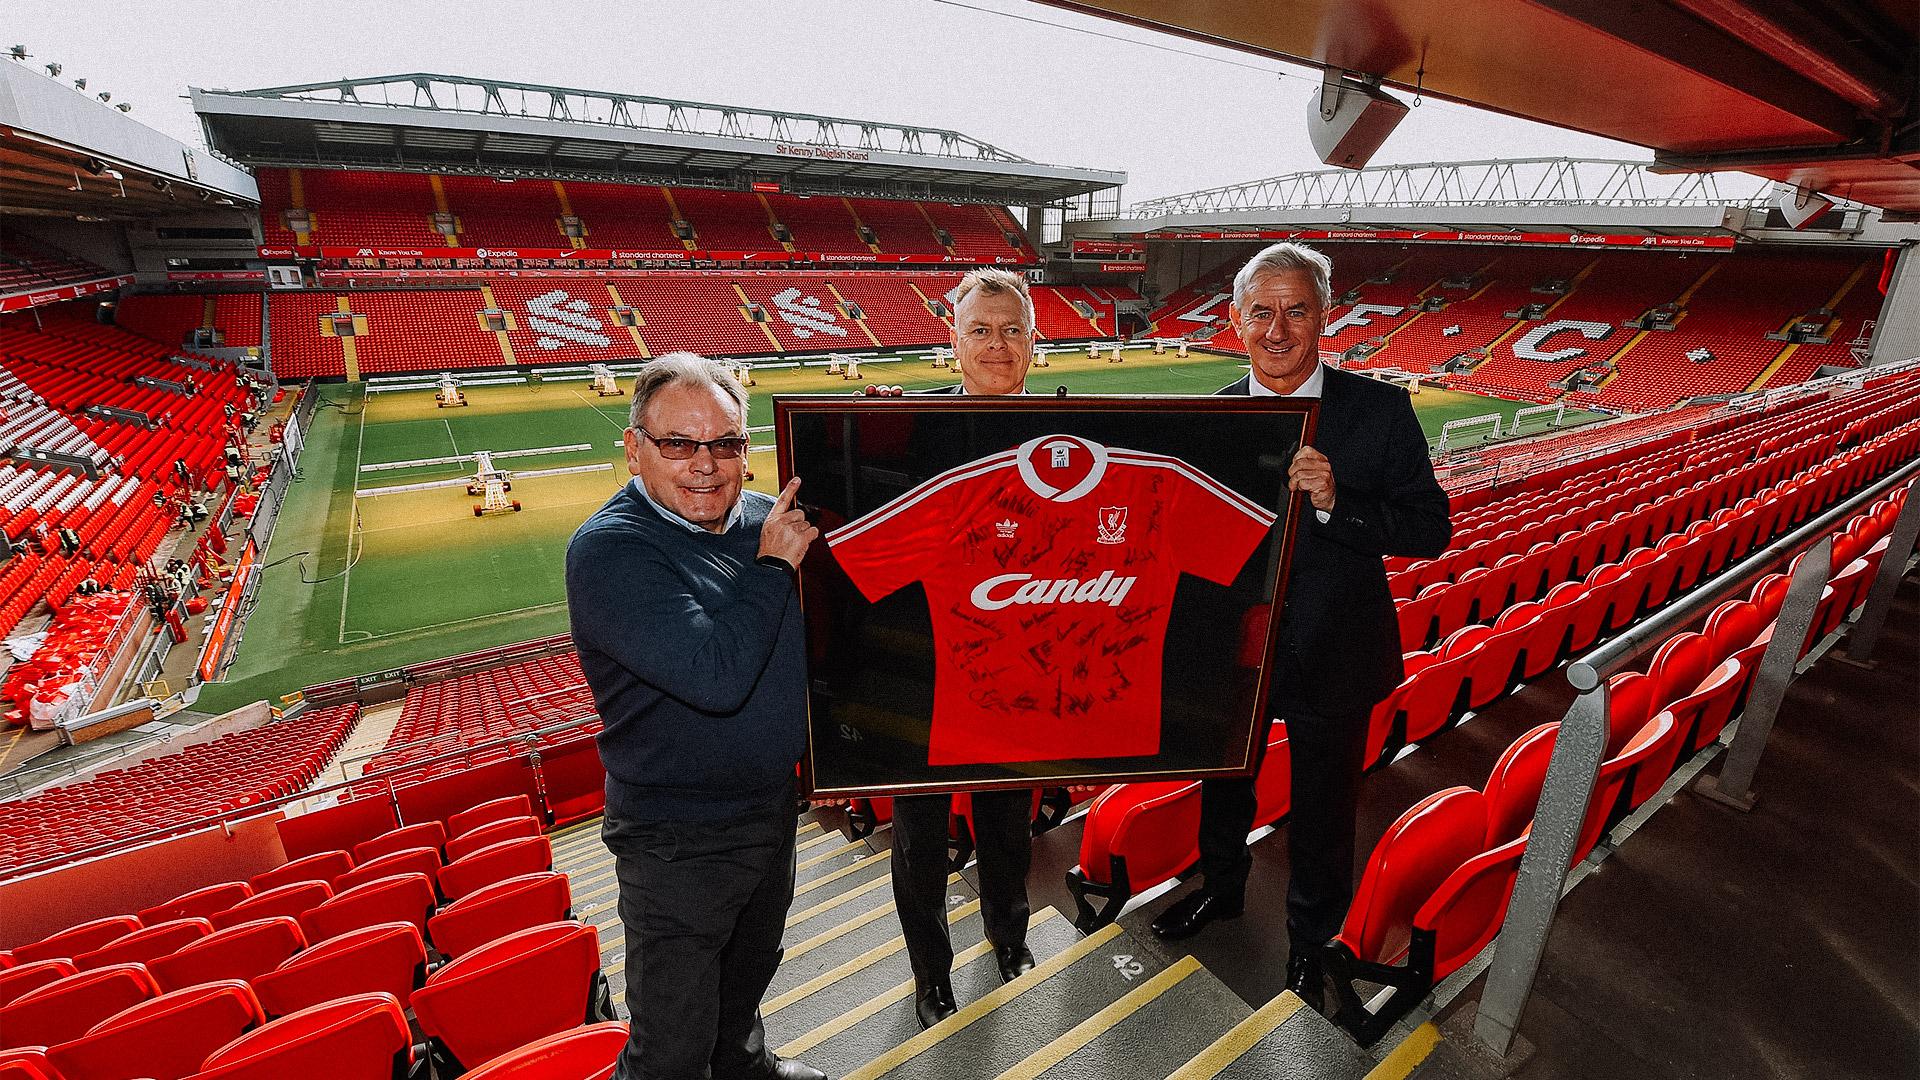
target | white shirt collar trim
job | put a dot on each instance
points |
(1024, 458)
(1308, 389)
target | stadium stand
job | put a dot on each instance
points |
(1724, 307)
(174, 790)
(26, 266)
(623, 215)
(491, 212)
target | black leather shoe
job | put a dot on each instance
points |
(789, 1069)
(934, 1003)
(1305, 981)
(1190, 916)
(1014, 961)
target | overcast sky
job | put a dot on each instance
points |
(1046, 84)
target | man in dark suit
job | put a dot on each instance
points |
(993, 346)
(1372, 493)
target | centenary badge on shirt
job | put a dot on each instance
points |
(1050, 572)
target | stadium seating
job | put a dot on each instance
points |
(163, 1038)
(363, 1037)
(584, 1053)
(69, 1007)
(229, 773)
(1766, 469)
(496, 910)
(536, 982)
(29, 266)
(384, 957)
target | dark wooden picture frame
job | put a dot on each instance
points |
(875, 661)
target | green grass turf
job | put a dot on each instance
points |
(428, 579)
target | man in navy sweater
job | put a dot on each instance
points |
(680, 591)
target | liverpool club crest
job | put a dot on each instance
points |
(1113, 525)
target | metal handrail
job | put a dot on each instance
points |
(258, 809)
(1581, 742)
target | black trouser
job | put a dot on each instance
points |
(704, 905)
(1003, 836)
(1326, 750)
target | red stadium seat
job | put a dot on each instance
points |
(415, 860)
(67, 1008)
(585, 1053)
(404, 898)
(1702, 713)
(1513, 787)
(1420, 851)
(364, 1037)
(237, 952)
(427, 834)
(1135, 837)
(21, 978)
(1613, 791)
(539, 981)
(142, 946)
(495, 862)
(324, 866)
(499, 909)
(492, 832)
(386, 957)
(513, 806)
(1497, 659)
(1383, 729)
(162, 1038)
(75, 940)
(294, 900)
(199, 903)
(27, 1063)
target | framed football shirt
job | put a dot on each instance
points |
(1033, 590)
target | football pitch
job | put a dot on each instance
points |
(361, 577)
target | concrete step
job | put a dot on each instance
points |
(847, 1040)
(1283, 1040)
(1158, 1025)
(1008, 1024)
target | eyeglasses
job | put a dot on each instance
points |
(676, 449)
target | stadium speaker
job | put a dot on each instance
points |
(1348, 121)
(1799, 205)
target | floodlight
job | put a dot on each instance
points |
(18, 52)
(79, 84)
(53, 70)
(124, 107)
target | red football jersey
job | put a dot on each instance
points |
(1050, 572)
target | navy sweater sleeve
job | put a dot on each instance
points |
(632, 603)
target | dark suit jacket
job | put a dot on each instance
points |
(1339, 647)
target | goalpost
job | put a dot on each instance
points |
(1452, 432)
(1556, 414)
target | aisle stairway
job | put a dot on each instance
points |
(1104, 1006)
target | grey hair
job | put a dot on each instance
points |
(675, 368)
(1280, 258)
(992, 281)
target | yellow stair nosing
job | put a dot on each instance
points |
(988, 1002)
(1228, 1048)
(1083, 1033)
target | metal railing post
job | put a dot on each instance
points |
(1893, 566)
(1557, 823)
(1734, 785)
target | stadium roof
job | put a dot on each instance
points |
(1816, 93)
(449, 123)
(65, 153)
